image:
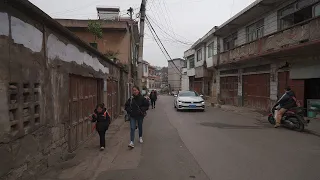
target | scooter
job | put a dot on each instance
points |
(292, 118)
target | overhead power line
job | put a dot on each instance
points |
(155, 35)
(156, 40)
(172, 37)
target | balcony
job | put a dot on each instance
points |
(212, 62)
(281, 43)
(191, 72)
(201, 72)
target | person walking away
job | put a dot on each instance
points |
(136, 108)
(286, 102)
(102, 119)
(153, 98)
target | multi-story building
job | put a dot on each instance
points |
(162, 73)
(267, 46)
(152, 77)
(174, 73)
(184, 80)
(119, 41)
(145, 74)
(200, 63)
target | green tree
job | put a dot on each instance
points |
(95, 28)
(112, 54)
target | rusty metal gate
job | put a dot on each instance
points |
(83, 97)
(229, 90)
(296, 85)
(109, 97)
(113, 104)
(197, 86)
(256, 91)
(115, 110)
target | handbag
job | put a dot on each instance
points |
(143, 113)
(126, 117)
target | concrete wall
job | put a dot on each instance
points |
(174, 76)
(191, 72)
(34, 56)
(188, 53)
(116, 41)
(184, 80)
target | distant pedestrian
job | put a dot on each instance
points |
(102, 119)
(153, 98)
(136, 108)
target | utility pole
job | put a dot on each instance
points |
(131, 76)
(140, 59)
(130, 12)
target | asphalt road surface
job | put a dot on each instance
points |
(215, 145)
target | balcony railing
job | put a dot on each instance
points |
(304, 32)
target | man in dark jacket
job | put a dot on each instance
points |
(136, 108)
(153, 98)
(286, 102)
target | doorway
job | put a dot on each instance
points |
(312, 89)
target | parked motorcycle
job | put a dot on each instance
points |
(293, 118)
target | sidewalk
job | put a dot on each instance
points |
(312, 128)
(89, 161)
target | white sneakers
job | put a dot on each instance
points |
(101, 148)
(131, 145)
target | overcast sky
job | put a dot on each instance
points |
(182, 22)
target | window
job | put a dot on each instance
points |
(191, 63)
(316, 10)
(230, 42)
(199, 55)
(255, 31)
(297, 12)
(188, 94)
(210, 49)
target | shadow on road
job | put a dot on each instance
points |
(308, 132)
(191, 110)
(229, 126)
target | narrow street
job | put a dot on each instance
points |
(212, 145)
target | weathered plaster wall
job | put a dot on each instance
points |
(4, 24)
(69, 53)
(34, 92)
(111, 40)
(26, 34)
